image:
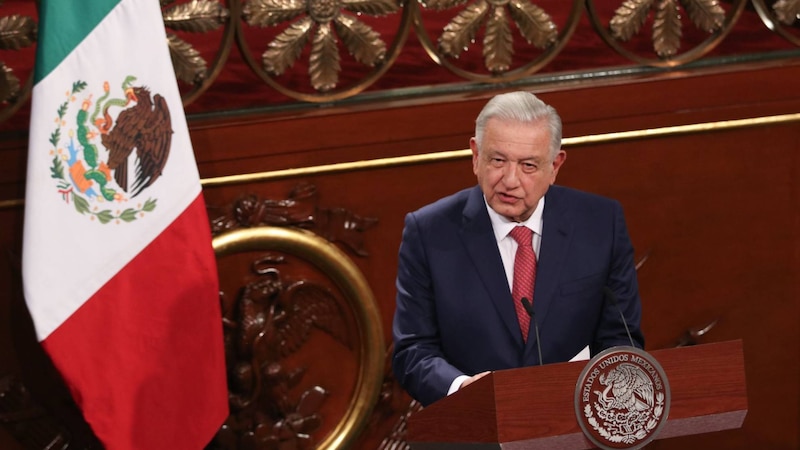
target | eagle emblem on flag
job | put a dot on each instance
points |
(107, 150)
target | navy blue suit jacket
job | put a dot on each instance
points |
(455, 315)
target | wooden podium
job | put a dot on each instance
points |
(534, 407)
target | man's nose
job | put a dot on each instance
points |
(510, 174)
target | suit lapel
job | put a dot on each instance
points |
(556, 235)
(478, 238)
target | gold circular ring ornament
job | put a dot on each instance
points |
(316, 29)
(334, 263)
(630, 17)
(189, 62)
(494, 18)
(622, 398)
(779, 23)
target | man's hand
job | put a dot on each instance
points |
(473, 379)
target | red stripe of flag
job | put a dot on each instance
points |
(144, 356)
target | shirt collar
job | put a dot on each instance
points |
(502, 226)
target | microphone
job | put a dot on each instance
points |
(529, 308)
(609, 294)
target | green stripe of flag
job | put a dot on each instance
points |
(63, 24)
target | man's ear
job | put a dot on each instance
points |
(473, 145)
(558, 161)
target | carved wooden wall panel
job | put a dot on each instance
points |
(304, 344)
(712, 211)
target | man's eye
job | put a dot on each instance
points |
(528, 167)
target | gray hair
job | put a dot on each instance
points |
(522, 107)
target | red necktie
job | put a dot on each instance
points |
(524, 275)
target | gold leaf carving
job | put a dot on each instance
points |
(9, 84)
(460, 32)
(498, 43)
(324, 61)
(439, 5)
(667, 29)
(265, 13)
(371, 7)
(284, 50)
(189, 65)
(361, 41)
(629, 18)
(708, 15)
(17, 32)
(787, 11)
(534, 23)
(199, 16)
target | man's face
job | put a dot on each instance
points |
(514, 166)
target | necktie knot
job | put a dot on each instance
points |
(523, 236)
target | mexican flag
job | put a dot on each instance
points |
(118, 269)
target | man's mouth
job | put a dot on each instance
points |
(507, 198)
